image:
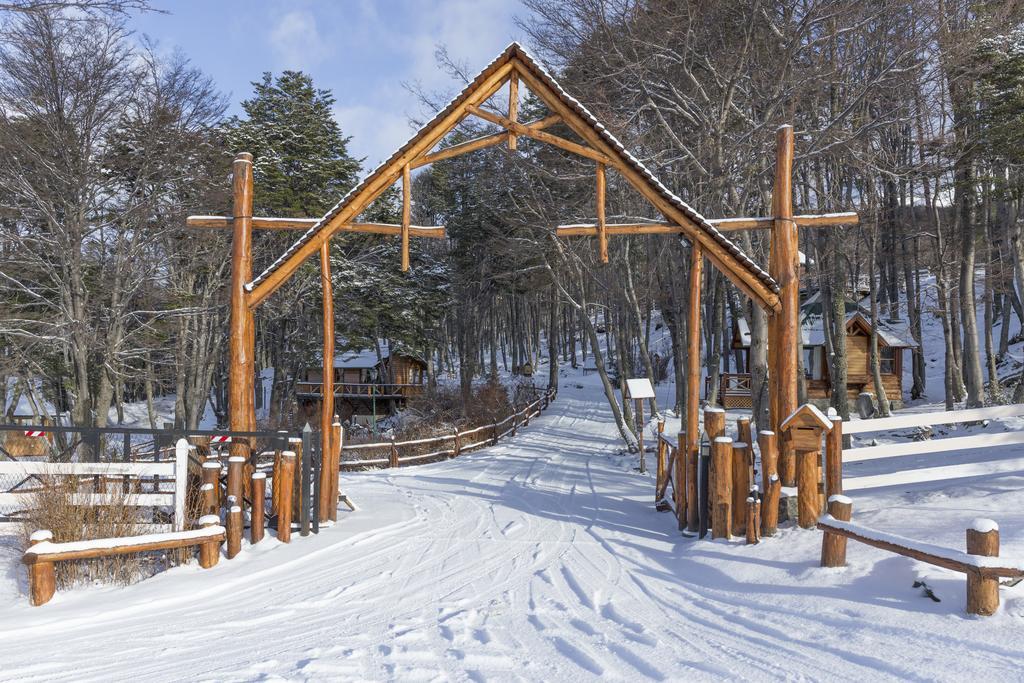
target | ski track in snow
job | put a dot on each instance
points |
(540, 559)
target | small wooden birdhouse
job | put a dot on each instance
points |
(805, 427)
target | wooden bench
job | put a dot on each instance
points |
(43, 553)
(981, 563)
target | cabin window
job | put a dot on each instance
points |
(887, 360)
(812, 362)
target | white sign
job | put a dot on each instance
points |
(639, 388)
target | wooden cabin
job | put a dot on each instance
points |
(366, 387)
(734, 389)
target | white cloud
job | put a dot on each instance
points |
(297, 41)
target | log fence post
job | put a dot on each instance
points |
(42, 577)
(284, 512)
(256, 516)
(684, 469)
(721, 498)
(740, 486)
(234, 530)
(834, 459)
(234, 489)
(335, 491)
(211, 487)
(982, 590)
(659, 477)
(833, 546)
(458, 443)
(291, 496)
(770, 482)
(494, 434)
(753, 527)
(393, 455)
(209, 552)
(275, 484)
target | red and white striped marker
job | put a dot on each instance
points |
(220, 439)
(34, 432)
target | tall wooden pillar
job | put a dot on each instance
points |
(327, 400)
(785, 341)
(242, 340)
(693, 366)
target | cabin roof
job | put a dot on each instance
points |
(812, 329)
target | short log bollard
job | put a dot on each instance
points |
(211, 487)
(803, 429)
(256, 521)
(209, 552)
(833, 546)
(982, 590)
(659, 478)
(741, 456)
(284, 512)
(236, 463)
(834, 459)
(753, 518)
(721, 498)
(234, 530)
(770, 482)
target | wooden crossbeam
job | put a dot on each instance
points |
(539, 135)
(722, 224)
(435, 232)
(480, 143)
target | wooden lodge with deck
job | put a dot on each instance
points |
(734, 390)
(365, 385)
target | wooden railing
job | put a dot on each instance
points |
(414, 451)
(361, 390)
(735, 390)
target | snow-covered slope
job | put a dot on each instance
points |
(540, 559)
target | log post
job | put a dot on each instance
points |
(209, 552)
(393, 455)
(769, 482)
(808, 501)
(640, 434)
(833, 546)
(292, 496)
(686, 460)
(275, 484)
(602, 232)
(327, 431)
(42, 576)
(242, 336)
(256, 516)
(494, 433)
(753, 520)
(659, 477)
(684, 469)
(458, 444)
(743, 431)
(234, 530)
(785, 268)
(337, 440)
(211, 487)
(236, 463)
(284, 511)
(834, 459)
(714, 422)
(982, 591)
(721, 498)
(740, 486)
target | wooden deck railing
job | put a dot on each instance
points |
(735, 390)
(361, 390)
(414, 451)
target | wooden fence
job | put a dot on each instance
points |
(923, 446)
(416, 451)
(175, 470)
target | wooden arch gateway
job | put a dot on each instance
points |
(776, 292)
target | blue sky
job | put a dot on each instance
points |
(361, 50)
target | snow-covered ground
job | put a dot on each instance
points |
(540, 559)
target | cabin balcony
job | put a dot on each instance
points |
(734, 390)
(350, 390)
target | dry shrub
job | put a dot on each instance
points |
(490, 404)
(54, 508)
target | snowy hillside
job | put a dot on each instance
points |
(541, 559)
